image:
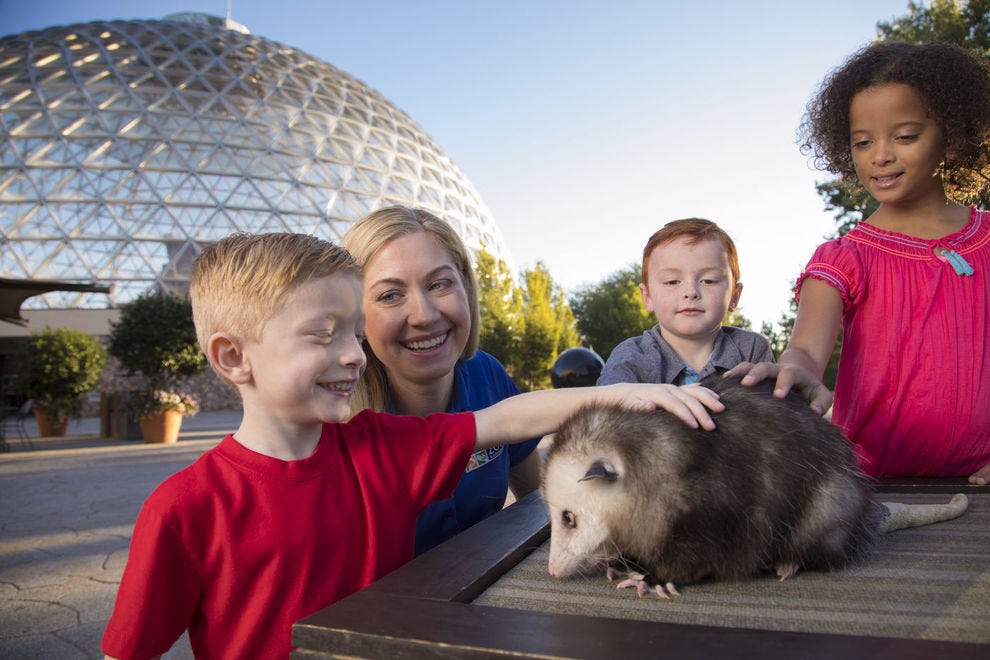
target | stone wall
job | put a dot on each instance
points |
(207, 388)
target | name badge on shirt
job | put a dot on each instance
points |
(483, 456)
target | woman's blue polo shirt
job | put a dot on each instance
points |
(478, 383)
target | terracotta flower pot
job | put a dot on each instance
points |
(47, 427)
(161, 427)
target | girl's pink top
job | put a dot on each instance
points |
(913, 389)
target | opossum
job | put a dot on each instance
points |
(774, 487)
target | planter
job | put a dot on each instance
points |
(49, 428)
(161, 427)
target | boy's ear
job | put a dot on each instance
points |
(734, 300)
(226, 354)
(644, 292)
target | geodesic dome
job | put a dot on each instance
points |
(128, 145)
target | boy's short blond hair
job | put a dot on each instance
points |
(240, 282)
(695, 230)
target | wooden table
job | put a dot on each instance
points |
(425, 609)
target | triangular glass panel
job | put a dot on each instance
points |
(17, 186)
(430, 197)
(95, 255)
(71, 216)
(135, 187)
(400, 189)
(209, 189)
(136, 261)
(216, 224)
(352, 205)
(245, 195)
(405, 165)
(169, 223)
(300, 224)
(299, 200)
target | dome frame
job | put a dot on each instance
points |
(126, 146)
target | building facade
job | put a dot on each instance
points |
(126, 146)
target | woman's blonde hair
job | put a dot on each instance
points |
(365, 239)
(240, 282)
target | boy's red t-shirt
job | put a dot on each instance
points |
(239, 546)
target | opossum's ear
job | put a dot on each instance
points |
(600, 470)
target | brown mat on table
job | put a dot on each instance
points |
(924, 583)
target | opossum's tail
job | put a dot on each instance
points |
(900, 516)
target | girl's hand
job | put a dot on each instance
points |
(690, 403)
(789, 376)
(981, 477)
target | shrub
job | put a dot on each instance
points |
(57, 366)
(155, 337)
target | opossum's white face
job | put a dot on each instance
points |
(579, 494)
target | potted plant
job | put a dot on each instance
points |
(55, 368)
(155, 338)
(160, 413)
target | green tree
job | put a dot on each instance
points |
(525, 326)
(850, 202)
(965, 24)
(547, 328)
(155, 337)
(611, 310)
(568, 336)
(501, 307)
(57, 366)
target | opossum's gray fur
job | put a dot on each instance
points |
(775, 485)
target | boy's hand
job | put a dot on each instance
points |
(537, 413)
(981, 477)
(690, 403)
(789, 376)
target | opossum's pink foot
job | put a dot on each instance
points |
(643, 587)
(632, 579)
(785, 571)
(612, 574)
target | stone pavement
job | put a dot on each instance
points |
(68, 509)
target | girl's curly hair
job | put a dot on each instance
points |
(954, 85)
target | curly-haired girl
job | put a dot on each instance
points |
(910, 286)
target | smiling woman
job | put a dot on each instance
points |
(421, 304)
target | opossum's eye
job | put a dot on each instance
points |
(568, 519)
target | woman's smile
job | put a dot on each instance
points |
(422, 345)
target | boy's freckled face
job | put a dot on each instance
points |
(689, 287)
(308, 360)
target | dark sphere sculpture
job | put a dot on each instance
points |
(576, 367)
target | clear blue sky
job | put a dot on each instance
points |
(587, 125)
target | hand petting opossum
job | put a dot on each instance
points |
(774, 487)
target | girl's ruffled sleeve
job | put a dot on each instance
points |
(836, 263)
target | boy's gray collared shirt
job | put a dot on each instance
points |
(650, 359)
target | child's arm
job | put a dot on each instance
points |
(538, 413)
(803, 363)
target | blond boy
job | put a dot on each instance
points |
(297, 509)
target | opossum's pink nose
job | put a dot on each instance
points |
(550, 569)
